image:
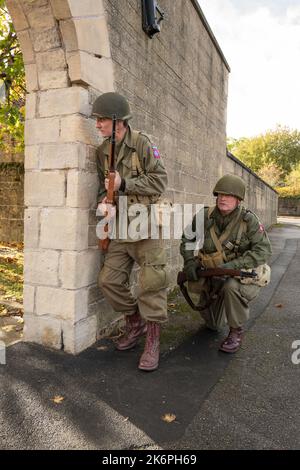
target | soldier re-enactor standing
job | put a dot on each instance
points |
(233, 238)
(141, 176)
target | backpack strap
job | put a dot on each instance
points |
(218, 242)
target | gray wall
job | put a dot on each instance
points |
(260, 197)
(177, 86)
(288, 206)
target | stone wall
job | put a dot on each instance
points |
(260, 197)
(177, 87)
(11, 202)
(289, 206)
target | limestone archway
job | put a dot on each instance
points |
(67, 59)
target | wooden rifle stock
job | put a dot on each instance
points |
(209, 272)
(110, 194)
(215, 272)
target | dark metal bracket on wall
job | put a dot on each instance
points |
(152, 17)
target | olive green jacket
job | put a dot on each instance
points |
(152, 182)
(143, 185)
(254, 248)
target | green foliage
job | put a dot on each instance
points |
(293, 178)
(271, 173)
(288, 192)
(273, 155)
(280, 147)
(12, 76)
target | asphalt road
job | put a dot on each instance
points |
(244, 401)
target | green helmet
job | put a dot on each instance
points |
(111, 103)
(230, 184)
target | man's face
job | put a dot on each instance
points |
(104, 125)
(226, 203)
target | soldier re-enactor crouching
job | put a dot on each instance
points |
(141, 176)
(233, 238)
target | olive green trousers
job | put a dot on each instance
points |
(230, 305)
(151, 293)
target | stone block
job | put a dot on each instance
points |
(53, 79)
(82, 188)
(92, 35)
(44, 188)
(79, 269)
(79, 129)
(31, 227)
(51, 60)
(94, 71)
(80, 336)
(31, 161)
(30, 108)
(43, 330)
(41, 267)
(64, 101)
(16, 12)
(41, 19)
(64, 229)
(41, 131)
(86, 8)
(31, 77)
(61, 9)
(63, 156)
(46, 40)
(69, 35)
(60, 303)
(28, 298)
(26, 46)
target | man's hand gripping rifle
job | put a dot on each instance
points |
(209, 273)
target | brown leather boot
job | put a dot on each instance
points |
(150, 357)
(233, 341)
(135, 327)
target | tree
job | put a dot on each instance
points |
(271, 174)
(280, 147)
(12, 75)
(293, 179)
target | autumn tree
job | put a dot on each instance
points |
(279, 148)
(12, 86)
(271, 173)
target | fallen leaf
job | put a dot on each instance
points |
(168, 417)
(57, 399)
(102, 348)
(278, 305)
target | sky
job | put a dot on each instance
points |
(261, 42)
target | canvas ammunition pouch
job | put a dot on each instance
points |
(154, 275)
(213, 260)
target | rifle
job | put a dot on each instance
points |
(209, 273)
(110, 195)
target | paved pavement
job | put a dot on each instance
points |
(249, 400)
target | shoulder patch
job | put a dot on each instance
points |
(156, 153)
